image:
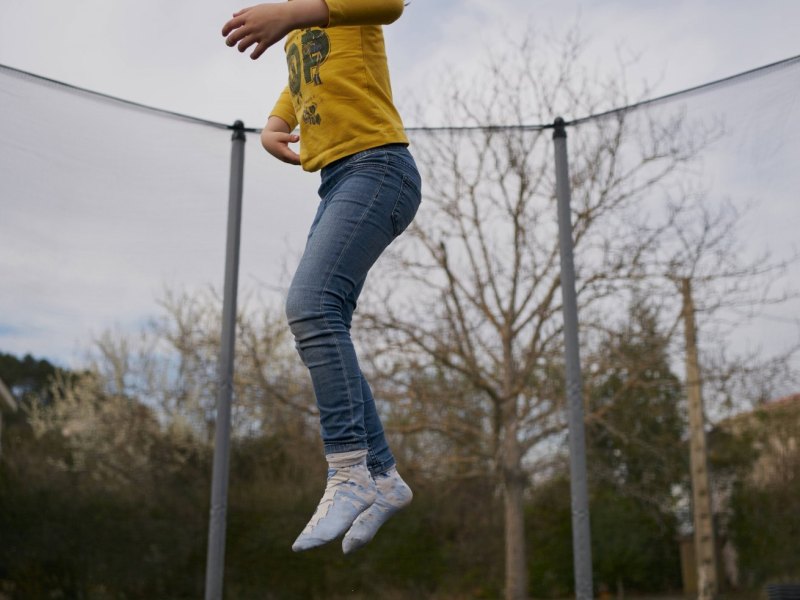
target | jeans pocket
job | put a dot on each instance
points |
(405, 208)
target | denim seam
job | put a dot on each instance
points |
(373, 457)
(327, 281)
(384, 467)
(343, 447)
(395, 214)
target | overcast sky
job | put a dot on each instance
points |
(171, 55)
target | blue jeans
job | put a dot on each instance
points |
(367, 200)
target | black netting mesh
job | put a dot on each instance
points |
(103, 205)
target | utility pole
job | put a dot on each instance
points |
(705, 551)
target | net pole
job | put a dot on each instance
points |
(215, 563)
(581, 534)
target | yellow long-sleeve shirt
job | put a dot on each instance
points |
(339, 90)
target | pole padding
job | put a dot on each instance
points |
(215, 561)
(581, 533)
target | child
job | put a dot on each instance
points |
(339, 93)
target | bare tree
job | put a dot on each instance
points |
(171, 365)
(733, 284)
(480, 267)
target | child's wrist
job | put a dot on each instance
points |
(307, 13)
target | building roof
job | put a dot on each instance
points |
(7, 402)
(790, 402)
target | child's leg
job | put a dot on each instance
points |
(379, 457)
(392, 493)
(366, 201)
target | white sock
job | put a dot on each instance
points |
(393, 494)
(349, 491)
(339, 460)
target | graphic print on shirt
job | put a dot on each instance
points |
(316, 47)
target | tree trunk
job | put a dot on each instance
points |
(513, 487)
(516, 569)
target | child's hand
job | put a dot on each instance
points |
(263, 25)
(276, 138)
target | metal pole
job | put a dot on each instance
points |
(581, 534)
(215, 563)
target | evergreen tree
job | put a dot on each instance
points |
(636, 455)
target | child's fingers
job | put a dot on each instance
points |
(283, 153)
(232, 24)
(287, 138)
(259, 50)
(237, 36)
(277, 144)
(236, 21)
(291, 157)
(247, 42)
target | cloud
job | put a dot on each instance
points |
(101, 207)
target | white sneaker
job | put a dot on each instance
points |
(393, 494)
(349, 491)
